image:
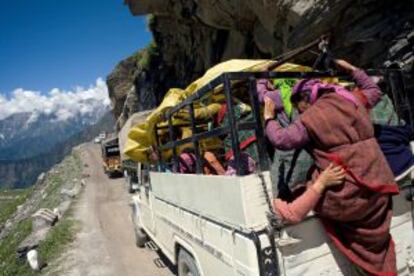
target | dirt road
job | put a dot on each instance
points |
(105, 244)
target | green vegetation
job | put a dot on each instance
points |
(9, 200)
(67, 172)
(144, 57)
(150, 22)
(56, 241)
(62, 234)
(58, 237)
(10, 265)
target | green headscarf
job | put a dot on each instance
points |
(285, 87)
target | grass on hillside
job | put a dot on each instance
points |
(58, 237)
(10, 265)
(62, 234)
(70, 169)
(10, 200)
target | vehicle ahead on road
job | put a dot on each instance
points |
(220, 225)
(102, 136)
(98, 139)
(111, 157)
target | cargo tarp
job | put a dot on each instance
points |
(132, 121)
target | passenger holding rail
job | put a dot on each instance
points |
(336, 128)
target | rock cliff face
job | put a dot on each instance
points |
(192, 35)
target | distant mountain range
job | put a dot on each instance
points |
(32, 142)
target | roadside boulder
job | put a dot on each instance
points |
(42, 221)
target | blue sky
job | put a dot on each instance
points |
(47, 44)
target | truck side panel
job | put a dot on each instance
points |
(218, 250)
(232, 200)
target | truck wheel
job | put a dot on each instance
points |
(140, 237)
(186, 264)
(129, 183)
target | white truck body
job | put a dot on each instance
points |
(221, 221)
(218, 225)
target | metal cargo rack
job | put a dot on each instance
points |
(394, 78)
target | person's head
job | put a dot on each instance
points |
(307, 91)
(187, 161)
(302, 93)
(301, 101)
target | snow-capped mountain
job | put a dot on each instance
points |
(24, 135)
(38, 130)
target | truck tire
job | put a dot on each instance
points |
(186, 264)
(140, 237)
(128, 180)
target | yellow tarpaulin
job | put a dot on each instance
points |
(142, 136)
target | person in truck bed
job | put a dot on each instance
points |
(335, 127)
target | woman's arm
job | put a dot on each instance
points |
(296, 211)
(368, 87)
(294, 136)
(264, 86)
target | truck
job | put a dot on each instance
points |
(129, 166)
(98, 139)
(111, 157)
(208, 225)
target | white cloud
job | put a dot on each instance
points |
(64, 104)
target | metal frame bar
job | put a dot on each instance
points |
(160, 162)
(196, 137)
(197, 95)
(174, 148)
(199, 166)
(206, 134)
(400, 96)
(260, 136)
(234, 135)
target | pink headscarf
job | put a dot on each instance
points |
(187, 163)
(314, 85)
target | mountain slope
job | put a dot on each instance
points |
(26, 135)
(22, 172)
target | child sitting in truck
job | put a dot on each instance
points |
(296, 211)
